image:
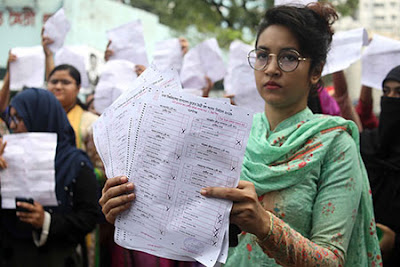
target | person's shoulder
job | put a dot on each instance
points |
(88, 118)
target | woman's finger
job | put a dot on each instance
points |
(111, 182)
(2, 147)
(117, 201)
(112, 214)
(115, 192)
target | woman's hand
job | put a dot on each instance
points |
(387, 242)
(139, 69)
(45, 44)
(11, 58)
(108, 53)
(34, 216)
(247, 212)
(116, 197)
(3, 162)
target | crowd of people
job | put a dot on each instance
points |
(318, 185)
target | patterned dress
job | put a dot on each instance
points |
(311, 179)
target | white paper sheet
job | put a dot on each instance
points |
(205, 59)
(168, 54)
(30, 172)
(171, 144)
(117, 77)
(66, 55)
(293, 2)
(240, 80)
(56, 28)
(127, 42)
(28, 70)
(381, 55)
(345, 50)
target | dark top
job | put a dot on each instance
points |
(67, 229)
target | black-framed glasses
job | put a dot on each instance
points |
(288, 60)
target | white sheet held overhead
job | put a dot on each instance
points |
(67, 56)
(292, 2)
(56, 28)
(168, 54)
(381, 55)
(205, 59)
(28, 69)
(30, 172)
(240, 80)
(117, 76)
(345, 50)
(127, 42)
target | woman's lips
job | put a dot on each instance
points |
(272, 85)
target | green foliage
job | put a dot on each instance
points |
(226, 20)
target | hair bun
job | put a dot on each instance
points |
(326, 11)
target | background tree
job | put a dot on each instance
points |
(226, 20)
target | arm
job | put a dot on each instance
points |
(364, 108)
(74, 225)
(343, 99)
(49, 60)
(331, 228)
(5, 91)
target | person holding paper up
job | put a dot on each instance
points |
(304, 196)
(380, 149)
(49, 236)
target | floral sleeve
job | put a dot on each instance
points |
(333, 217)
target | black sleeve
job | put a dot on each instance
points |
(74, 225)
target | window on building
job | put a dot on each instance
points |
(379, 4)
(379, 17)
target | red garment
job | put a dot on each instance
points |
(367, 117)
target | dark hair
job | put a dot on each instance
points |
(311, 25)
(71, 71)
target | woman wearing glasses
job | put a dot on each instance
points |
(303, 198)
(49, 236)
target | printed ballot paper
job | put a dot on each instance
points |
(380, 56)
(30, 172)
(117, 77)
(56, 28)
(240, 81)
(28, 69)
(171, 144)
(127, 42)
(205, 59)
(345, 50)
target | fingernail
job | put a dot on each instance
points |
(131, 196)
(129, 186)
(123, 179)
(18, 203)
(203, 191)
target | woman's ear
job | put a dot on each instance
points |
(316, 74)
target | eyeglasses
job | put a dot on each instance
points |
(62, 81)
(288, 60)
(8, 118)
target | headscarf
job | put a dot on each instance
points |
(42, 112)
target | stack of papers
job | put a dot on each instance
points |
(170, 145)
(30, 172)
